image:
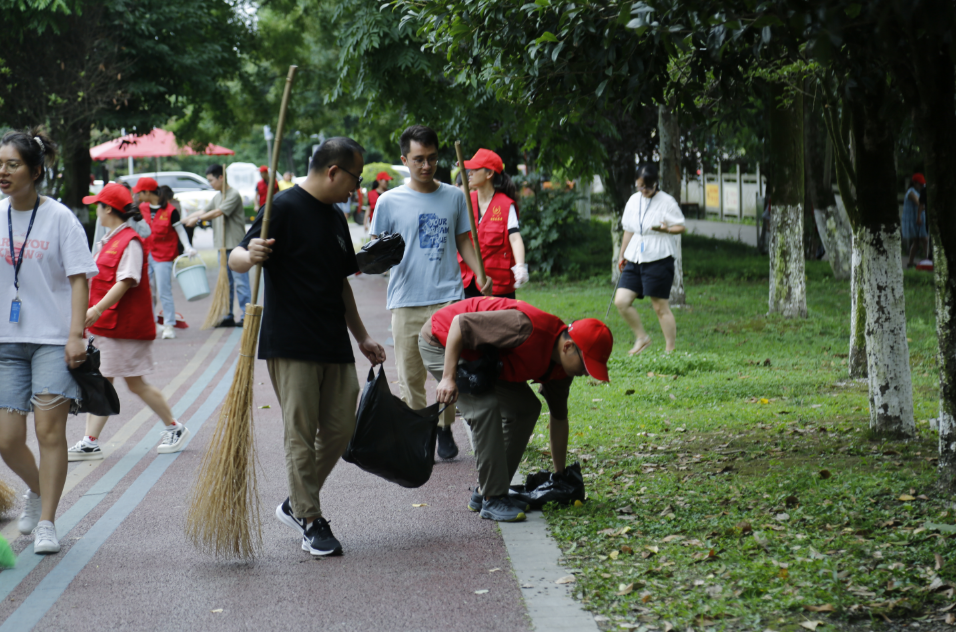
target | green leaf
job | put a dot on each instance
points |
(548, 36)
(600, 88)
(854, 10)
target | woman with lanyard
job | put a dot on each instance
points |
(651, 221)
(162, 246)
(44, 269)
(375, 191)
(120, 314)
(493, 197)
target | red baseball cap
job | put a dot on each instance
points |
(918, 178)
(383, 175)
(595, 341)
(487, 159)
(145, 184)
(113, 195)
(263, 169)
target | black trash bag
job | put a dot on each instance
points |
(98, 395)
(380, 254)
(391, 440)
(479, 376)
(562, 488)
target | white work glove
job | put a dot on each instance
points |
(191, 252)
(521, 274)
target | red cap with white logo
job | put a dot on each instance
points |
(595, 341)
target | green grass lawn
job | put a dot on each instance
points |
(733, 484)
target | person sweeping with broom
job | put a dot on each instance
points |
(308, 311)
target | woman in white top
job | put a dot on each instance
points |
(45, 263)
(652, 220)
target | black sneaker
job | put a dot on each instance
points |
(228, 321)
(447, 448)
(319, 541)
(285, 516)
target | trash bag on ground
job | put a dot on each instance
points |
(98, 395)
(543, 487)
(391, 440)
(380, 254)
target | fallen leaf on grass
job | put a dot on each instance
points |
(494, 570)
(628, 626)
(625, 589)
(629, 391)
(645, 597)
(627, 550)
(939, 560)
(951, 618)
(671, 538)
(601, 618)
(481, 592)
(217, 610)
(906, 498)
(567, 579)
(949, 607)
(614, 554)
(824, 608)
(420, 505)
(783, 574)
(782, 517)
(811, 625)
(745, 527)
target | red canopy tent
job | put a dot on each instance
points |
(157, 143)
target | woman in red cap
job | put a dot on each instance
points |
(493, 196)
(162, 246)
(120, 314)
(914, 219)
(262, 186)
(379, 186)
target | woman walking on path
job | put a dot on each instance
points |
(121, 315)
(651, 220)
(44, 268)
(493, 196)
(379, 186)
(914, 219)
(162, 246)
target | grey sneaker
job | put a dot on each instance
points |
(477, 499)
(500, 509)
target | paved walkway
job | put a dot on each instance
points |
(746, 233)
(125, 563)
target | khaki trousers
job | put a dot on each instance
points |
(318, 403)
(407, 323)
(501, 422)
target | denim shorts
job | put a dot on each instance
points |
(28, 369)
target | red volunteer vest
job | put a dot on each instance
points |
(531, 360)
(496, 250)
(132, 317)
(163, 243)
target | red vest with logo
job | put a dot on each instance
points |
(131, 318)
(163, 242)
(496, 250)
(531, 360)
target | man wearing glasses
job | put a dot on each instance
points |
(433, 220)
(505, 343)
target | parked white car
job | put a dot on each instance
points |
(191, 189)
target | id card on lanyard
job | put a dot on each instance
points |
(17, 258)
(641, 215)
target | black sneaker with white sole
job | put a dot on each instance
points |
(319, 541)
(285, 516)
(447, 448)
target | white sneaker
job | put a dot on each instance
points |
(174, 439)
(84, 450)
(31, 513)
(44, 538)
(168, 332)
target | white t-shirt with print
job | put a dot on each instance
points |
(641, 214)
(57, 249)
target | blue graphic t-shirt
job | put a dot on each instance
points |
(428, 222)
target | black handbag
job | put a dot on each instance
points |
(476, 377)
(98, 395)
(380, 254)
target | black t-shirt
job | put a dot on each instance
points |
(304, 314)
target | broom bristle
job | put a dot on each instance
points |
(8, 498)
(220, 296)
(223, 517)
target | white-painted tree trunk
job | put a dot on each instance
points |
(788, 280)
(856, 355)
(837, 236)
(678, 298)
(617, 236)
(887, 352)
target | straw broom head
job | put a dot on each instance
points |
(220, 296)
(223, 517)
(8, 498)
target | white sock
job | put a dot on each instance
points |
(90, 440)
(173, 425)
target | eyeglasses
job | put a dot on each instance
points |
(10, 166)
(421, 162)
(647, 188)
(581, 355)
(358, 178)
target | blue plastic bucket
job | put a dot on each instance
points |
(192, 279)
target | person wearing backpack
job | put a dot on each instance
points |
(44, 267)
(120, 315)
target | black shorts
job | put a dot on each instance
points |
(652, 278)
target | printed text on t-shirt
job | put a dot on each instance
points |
(432, 235)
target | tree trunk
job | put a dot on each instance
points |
(937, 120)
(619, 187)
(669, 132)
(857, 352)
(77, 164)
(837, 235)
(788, 291)
(888, 358)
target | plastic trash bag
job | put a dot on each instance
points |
(98, 395)
(391, 440)
(380, 254)
(479, 376)
(543, 487)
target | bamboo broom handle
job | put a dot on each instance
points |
(480, 272)
(272, 175)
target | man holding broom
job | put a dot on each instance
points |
(308, 311)
(433, 220)
(228, 205)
